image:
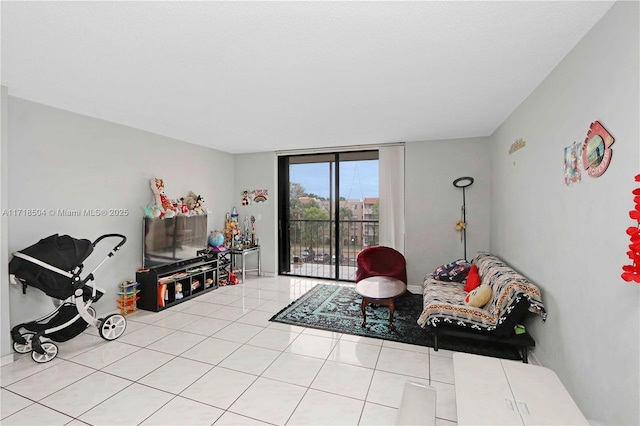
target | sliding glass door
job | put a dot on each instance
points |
(328, 212)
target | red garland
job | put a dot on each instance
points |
(632, 272)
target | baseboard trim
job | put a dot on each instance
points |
(415, 289)
(533, 359)
(7, 359)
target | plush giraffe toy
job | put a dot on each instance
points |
(157, 187)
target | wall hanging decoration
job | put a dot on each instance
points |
(572, 172)
(518, 144)
(254, 196)
(260, 195)
(632, 272)
(246, 198)
(463, 183)
(596, 151)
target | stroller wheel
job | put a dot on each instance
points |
(112, 327)
(50, 352)
(26, 347)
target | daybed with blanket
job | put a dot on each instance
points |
(510, 298)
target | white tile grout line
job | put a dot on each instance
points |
(260, 375)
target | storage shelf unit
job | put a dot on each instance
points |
(224, 267)
(164, 286)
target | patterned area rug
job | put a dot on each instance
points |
(337, 308)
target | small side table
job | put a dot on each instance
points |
(381, 291)
(241, 254)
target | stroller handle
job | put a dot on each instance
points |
(77, 282)
(116, 248)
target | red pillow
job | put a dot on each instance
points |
(473, 279)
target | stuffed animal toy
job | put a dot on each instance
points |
(194, 203)
(479, 297)
(183, 207)
(233, 279)
(473, 279)
(153, 211)
(190, 200)
(157, 187)
(176, 206)
(200, 205)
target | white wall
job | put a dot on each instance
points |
(571, 241)
(259, 171)
(432, 203)
(61, 160)
(5, 342)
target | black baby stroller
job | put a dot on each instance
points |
(54, 265)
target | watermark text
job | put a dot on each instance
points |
(34, 212)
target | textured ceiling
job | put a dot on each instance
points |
(262, 76)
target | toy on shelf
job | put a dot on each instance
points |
(249, 239)
(216, 241)
(233, 233)
(195, 284)
(157, 187)
(254, 239)
(153, 211)
(246, 242)
(199, 209)
(178, 206)
(128, 296)
(192, 204)
(183, 206)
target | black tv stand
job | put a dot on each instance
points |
(167, 285)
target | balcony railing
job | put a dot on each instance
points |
(313, 244)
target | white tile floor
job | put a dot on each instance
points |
(217, 359)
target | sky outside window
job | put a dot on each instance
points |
(358, 179)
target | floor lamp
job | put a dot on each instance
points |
(464, 182)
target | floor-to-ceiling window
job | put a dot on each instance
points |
(328, 212)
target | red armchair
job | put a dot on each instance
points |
(382, 261)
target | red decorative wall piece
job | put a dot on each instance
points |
(632, 272)
(596, 151)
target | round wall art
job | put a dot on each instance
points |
(596, 151)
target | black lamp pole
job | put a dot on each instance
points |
(464, 182)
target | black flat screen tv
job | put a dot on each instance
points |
(172, 240)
